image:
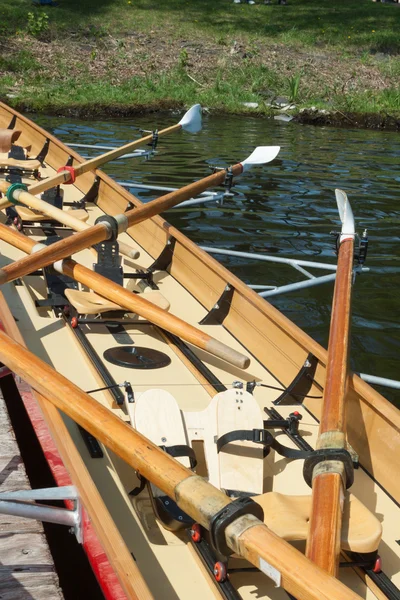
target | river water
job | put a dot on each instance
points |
(284, 209)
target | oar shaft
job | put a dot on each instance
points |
(14, 238)
(94, 163)
(151, 312)
(98, 233)
(134, 303)
(65, 217)
(47, 255)
(118, 554)
(323, 542)
(332, 418)
(146, 211)
(193, 494)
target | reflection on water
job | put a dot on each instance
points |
(287, 208)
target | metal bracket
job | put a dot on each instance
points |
(228, 181)
(11, 125)
(56, 284)
(43, 153)
(154, 141)
(91, 194)
(108, 261)
(91, 443)
(165, 258)
(21, 504)
(221, 309)
(17, 152)
(53, 196)
(301, 384)
(4, 371)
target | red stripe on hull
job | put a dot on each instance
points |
(99, 562)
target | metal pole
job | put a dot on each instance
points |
(391, 383)
(277, 259)
(135, 154)
(291, 287)
(49, 514)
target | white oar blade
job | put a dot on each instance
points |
(260, 156)
(191, 121)
(346, 215)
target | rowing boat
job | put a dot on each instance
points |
(200, 463)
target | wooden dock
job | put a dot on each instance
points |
(27, 570)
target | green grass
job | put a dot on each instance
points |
(347, 23)
(358, 38)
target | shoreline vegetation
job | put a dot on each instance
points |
(324, 63)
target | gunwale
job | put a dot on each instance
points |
(153, 235)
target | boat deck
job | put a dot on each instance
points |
(161, 550)
(166, 560)
(27, 570)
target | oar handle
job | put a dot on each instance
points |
(65, 217)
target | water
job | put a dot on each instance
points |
(286, 208)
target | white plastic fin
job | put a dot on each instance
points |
(270, 572)
(260, 156)
(346, 215)
(58, 266)
(191, 121)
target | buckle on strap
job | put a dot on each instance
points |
(258, 436)
(262, 436)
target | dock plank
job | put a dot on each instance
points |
(27, 570)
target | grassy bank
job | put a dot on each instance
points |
(125, 55)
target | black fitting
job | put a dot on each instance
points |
(363, 248)
(112, 223)
(250, 386)
(293, 422)
(226, 516)
(324, 454)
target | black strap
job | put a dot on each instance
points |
(260, 436)
(311, 457)
(177, 451)
(180, 451)
(139, 488)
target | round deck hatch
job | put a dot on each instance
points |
(137, 357)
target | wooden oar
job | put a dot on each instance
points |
(246, 535)
(103, 231)
(65, 217)
(329, 478)
(107, 533)
(191, 122)
(133, 302)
